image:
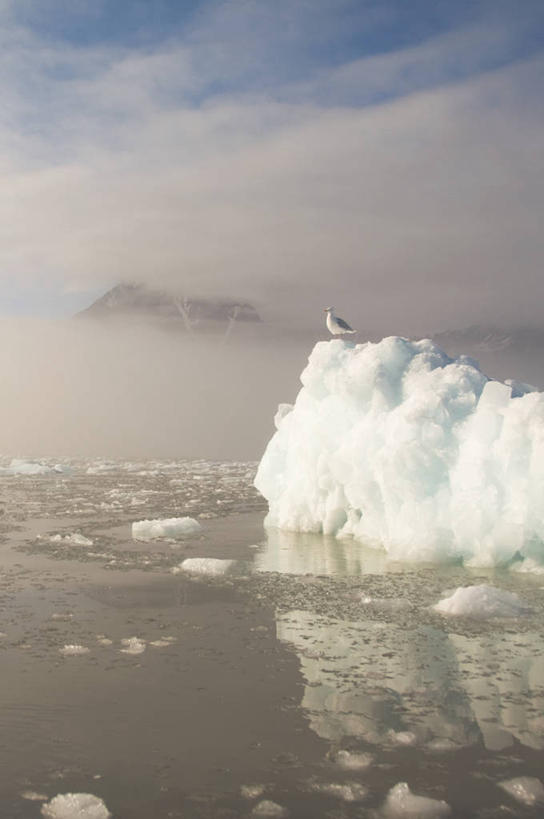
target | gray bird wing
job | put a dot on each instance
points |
(343, 324)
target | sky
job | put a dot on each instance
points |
(383, 156)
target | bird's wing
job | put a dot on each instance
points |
(343, 324)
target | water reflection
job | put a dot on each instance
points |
(389, 685)
(296, 553)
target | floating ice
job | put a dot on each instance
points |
(73, 650)
(346, 791)
(400, 446)
(132, 645)
(170, 527)
(353, 761)
(75, 806)
(19, 466)
(482, 602)
(401, 803)
(252, 791)
(76, 539)
(208, 566)
(525, 789)
(269, 809)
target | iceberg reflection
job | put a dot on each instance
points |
(390, 685)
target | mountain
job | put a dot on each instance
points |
(137, 301)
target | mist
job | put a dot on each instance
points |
(126, 390)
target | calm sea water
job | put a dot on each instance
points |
(313, 675)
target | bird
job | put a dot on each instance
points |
(337, 326)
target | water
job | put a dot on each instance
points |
(203, 697)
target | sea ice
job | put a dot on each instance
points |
(482, 602)
(400, 446)
(75, 806)
(401, 803)
(525, 789)
(346, 791)
(170, 527)
(19, 466)
(207, 566)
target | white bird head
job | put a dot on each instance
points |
(328, 309)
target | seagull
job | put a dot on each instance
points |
(337, 326)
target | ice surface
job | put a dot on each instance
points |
(252, 791)
(207, 566)
(170, 527)
(400, 446)
(75, 806)
(525, 789)
(267, 808)
(401, 803)
(482, 602)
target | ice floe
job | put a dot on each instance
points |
(75, 806)
(75, 539)
(73, 650)
(481, 603)
(269, 810)
(132, 645)
(400, 446)
(168, 528)
(205, 566)
(401, 803)
(352, 760)
(528, 790)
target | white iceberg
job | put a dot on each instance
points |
(402, 447)
(170, 528)
(75, 806)
(401, 803)
(481, 603)
(19, 466)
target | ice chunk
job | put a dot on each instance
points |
(399, 446)
(207, 566)
(281, 413)
(75, 806)
(132, 645)
(73, 650)
(346, 791)
(525, 789)
(252, 791)
(19, 466)
(401, 803)
(352, 761)
(170, 527)
(270, 810)
(76, 539)
(482, 602)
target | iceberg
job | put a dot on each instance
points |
(169, 528)
(402, 447)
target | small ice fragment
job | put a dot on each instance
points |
(346, 791)
(34, 796)
(482, 602)
(75, 806)
(76, 539)
(401, 803)
(269, 809)
(352, 761)
(73, 650)
(62, 616)
(208, 566)
(442, 745)
(525, 789)
(160, 643)
(252, 791)
(133, 645)
(390, 604)
(170, 527)
(405, 738)
(103, 640)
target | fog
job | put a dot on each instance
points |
(85, 388)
